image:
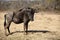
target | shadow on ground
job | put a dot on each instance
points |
(30, 31)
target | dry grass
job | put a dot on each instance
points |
(44, 21)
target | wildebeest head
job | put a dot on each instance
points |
(31, 12)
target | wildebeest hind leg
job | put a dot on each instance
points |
(7, 28)
(7, 22)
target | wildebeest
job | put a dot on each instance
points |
(23, 15)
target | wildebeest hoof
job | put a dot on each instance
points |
(25, 33)
(6, 34)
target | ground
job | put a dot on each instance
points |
(46, 26)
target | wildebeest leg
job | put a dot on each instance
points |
(7, 28)
(7, 24)
(26, 27)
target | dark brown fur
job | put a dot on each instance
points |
(21, 16)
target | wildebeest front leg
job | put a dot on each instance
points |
(26, 27)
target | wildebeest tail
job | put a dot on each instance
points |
(4, 20)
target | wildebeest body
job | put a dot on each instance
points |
(19, 16)
(23, 15)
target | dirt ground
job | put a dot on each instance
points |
(46, 26)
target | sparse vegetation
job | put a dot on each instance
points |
(39, 4)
